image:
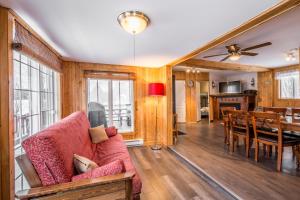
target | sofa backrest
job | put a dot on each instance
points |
(51, 150)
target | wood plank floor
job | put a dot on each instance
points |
(165, 177)
(204, 145)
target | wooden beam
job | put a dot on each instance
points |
(265, 16)
(6, 106)
(198, 63)
(33, 32)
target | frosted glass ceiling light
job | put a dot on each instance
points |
(133, 22)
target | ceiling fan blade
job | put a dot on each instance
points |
(248, 53)
(223, 54)
(257, 46)
(225, 58)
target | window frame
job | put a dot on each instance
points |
(111, 77)
(53, 96)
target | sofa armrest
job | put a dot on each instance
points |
(85, 188)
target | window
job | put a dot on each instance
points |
(36, 104)
(288, 83)
(117, 98)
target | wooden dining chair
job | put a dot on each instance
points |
(175, 128)
(239, 127)
(279, 110)
(226, 123)
(295, 115)
(268, 130)
(293, 128)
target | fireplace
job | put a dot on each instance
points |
(245, 102)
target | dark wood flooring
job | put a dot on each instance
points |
(204, 145)
(165, 177)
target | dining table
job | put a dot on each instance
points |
(288, 119)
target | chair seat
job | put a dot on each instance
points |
(242, 131)
(286, 139)
(292, 133)
(273, 130)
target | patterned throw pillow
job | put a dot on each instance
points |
(111, 131)
(98, 134)
(83, 164)
(115, 167)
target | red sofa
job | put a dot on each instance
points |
(51, 150)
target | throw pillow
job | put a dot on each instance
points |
(98, 134)
(115, 167)
(83, 164)
(111, 131)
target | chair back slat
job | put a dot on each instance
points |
(225, 110)
(266, 123)
(295, 115)
(239, 119)
(28, 170)
(290, 126)
(279, 110)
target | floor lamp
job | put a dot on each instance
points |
(156, 90)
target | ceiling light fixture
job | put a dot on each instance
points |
(134, 22)
(234, 56)
(291, 55)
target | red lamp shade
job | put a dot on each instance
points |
(156, 89)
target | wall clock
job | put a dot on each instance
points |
(191, 83)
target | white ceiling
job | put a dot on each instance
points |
(282, 31)
(88, 30)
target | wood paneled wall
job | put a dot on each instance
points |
(190, 98)
(74, 97)
(265, 89)
(268, 89)
(6, 106)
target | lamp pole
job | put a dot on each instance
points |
(156, 146)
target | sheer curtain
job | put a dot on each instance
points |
(288, 84)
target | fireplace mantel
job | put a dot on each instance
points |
(240, 101)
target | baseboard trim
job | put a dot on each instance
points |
(134, 143)
(205, 176)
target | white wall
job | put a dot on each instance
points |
(244, 77)
(216, 78)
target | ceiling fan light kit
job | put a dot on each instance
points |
(234, 57)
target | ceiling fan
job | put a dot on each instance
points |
(235, 52)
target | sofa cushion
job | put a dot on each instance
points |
(115, 149)
(51, 150)
(112, 168)
(98, 134)
(83, 164)
(111, 131)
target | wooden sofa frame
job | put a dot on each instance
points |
(109, 187)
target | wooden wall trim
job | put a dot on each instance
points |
(33, 32)
(205, 64)
(27, 43)
(267, 15)
(6, 106)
